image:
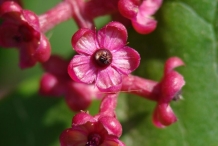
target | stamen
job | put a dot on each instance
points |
(178, 96)
(26, 33)
(103, 57)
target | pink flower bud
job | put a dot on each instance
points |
(79, 96)
(21, 29)
(50, 85)
(140, 13)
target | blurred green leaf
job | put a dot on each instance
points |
(24, 121)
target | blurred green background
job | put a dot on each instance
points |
(186, 28)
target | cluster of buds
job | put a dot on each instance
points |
(101, 68)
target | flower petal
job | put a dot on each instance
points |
(43, 51)
(26, 57)
(155, 119)
(112, 125)
(149, 7)
(73, 137)
(109, 80)
(171, 85)
(84, 41)
(128, 8)
(31, 18)
(166, 114)
(112, 141)
(126, 60)
(113, 36)
(144, 24)
(82, 118)
(81, 69)
(172, 63)
(10, 10)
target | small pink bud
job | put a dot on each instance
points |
(79, 96)
(51, 86)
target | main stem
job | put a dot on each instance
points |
(108, 105)
(81, 17)
(143, 87)
(82, 12)
(56, 15)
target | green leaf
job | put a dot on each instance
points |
(32, 121)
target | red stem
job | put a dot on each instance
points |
(80, 16)
(143, 87)
(82, 12)
(108, 105)
(56, 15)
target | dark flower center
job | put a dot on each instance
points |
(17, 38)
(25, 34)
(94, 140)
(103, 57)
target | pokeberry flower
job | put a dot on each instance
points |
(90, 131)
(20, 29)
(56, 82)
(140, 13)
(103, 57)
(170, 89)
(163, 92)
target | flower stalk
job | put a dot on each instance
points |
(55, 16)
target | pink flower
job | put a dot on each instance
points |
(170, 89)
(103, 57)
(90, 131)
(140, 13)
(21, 29)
